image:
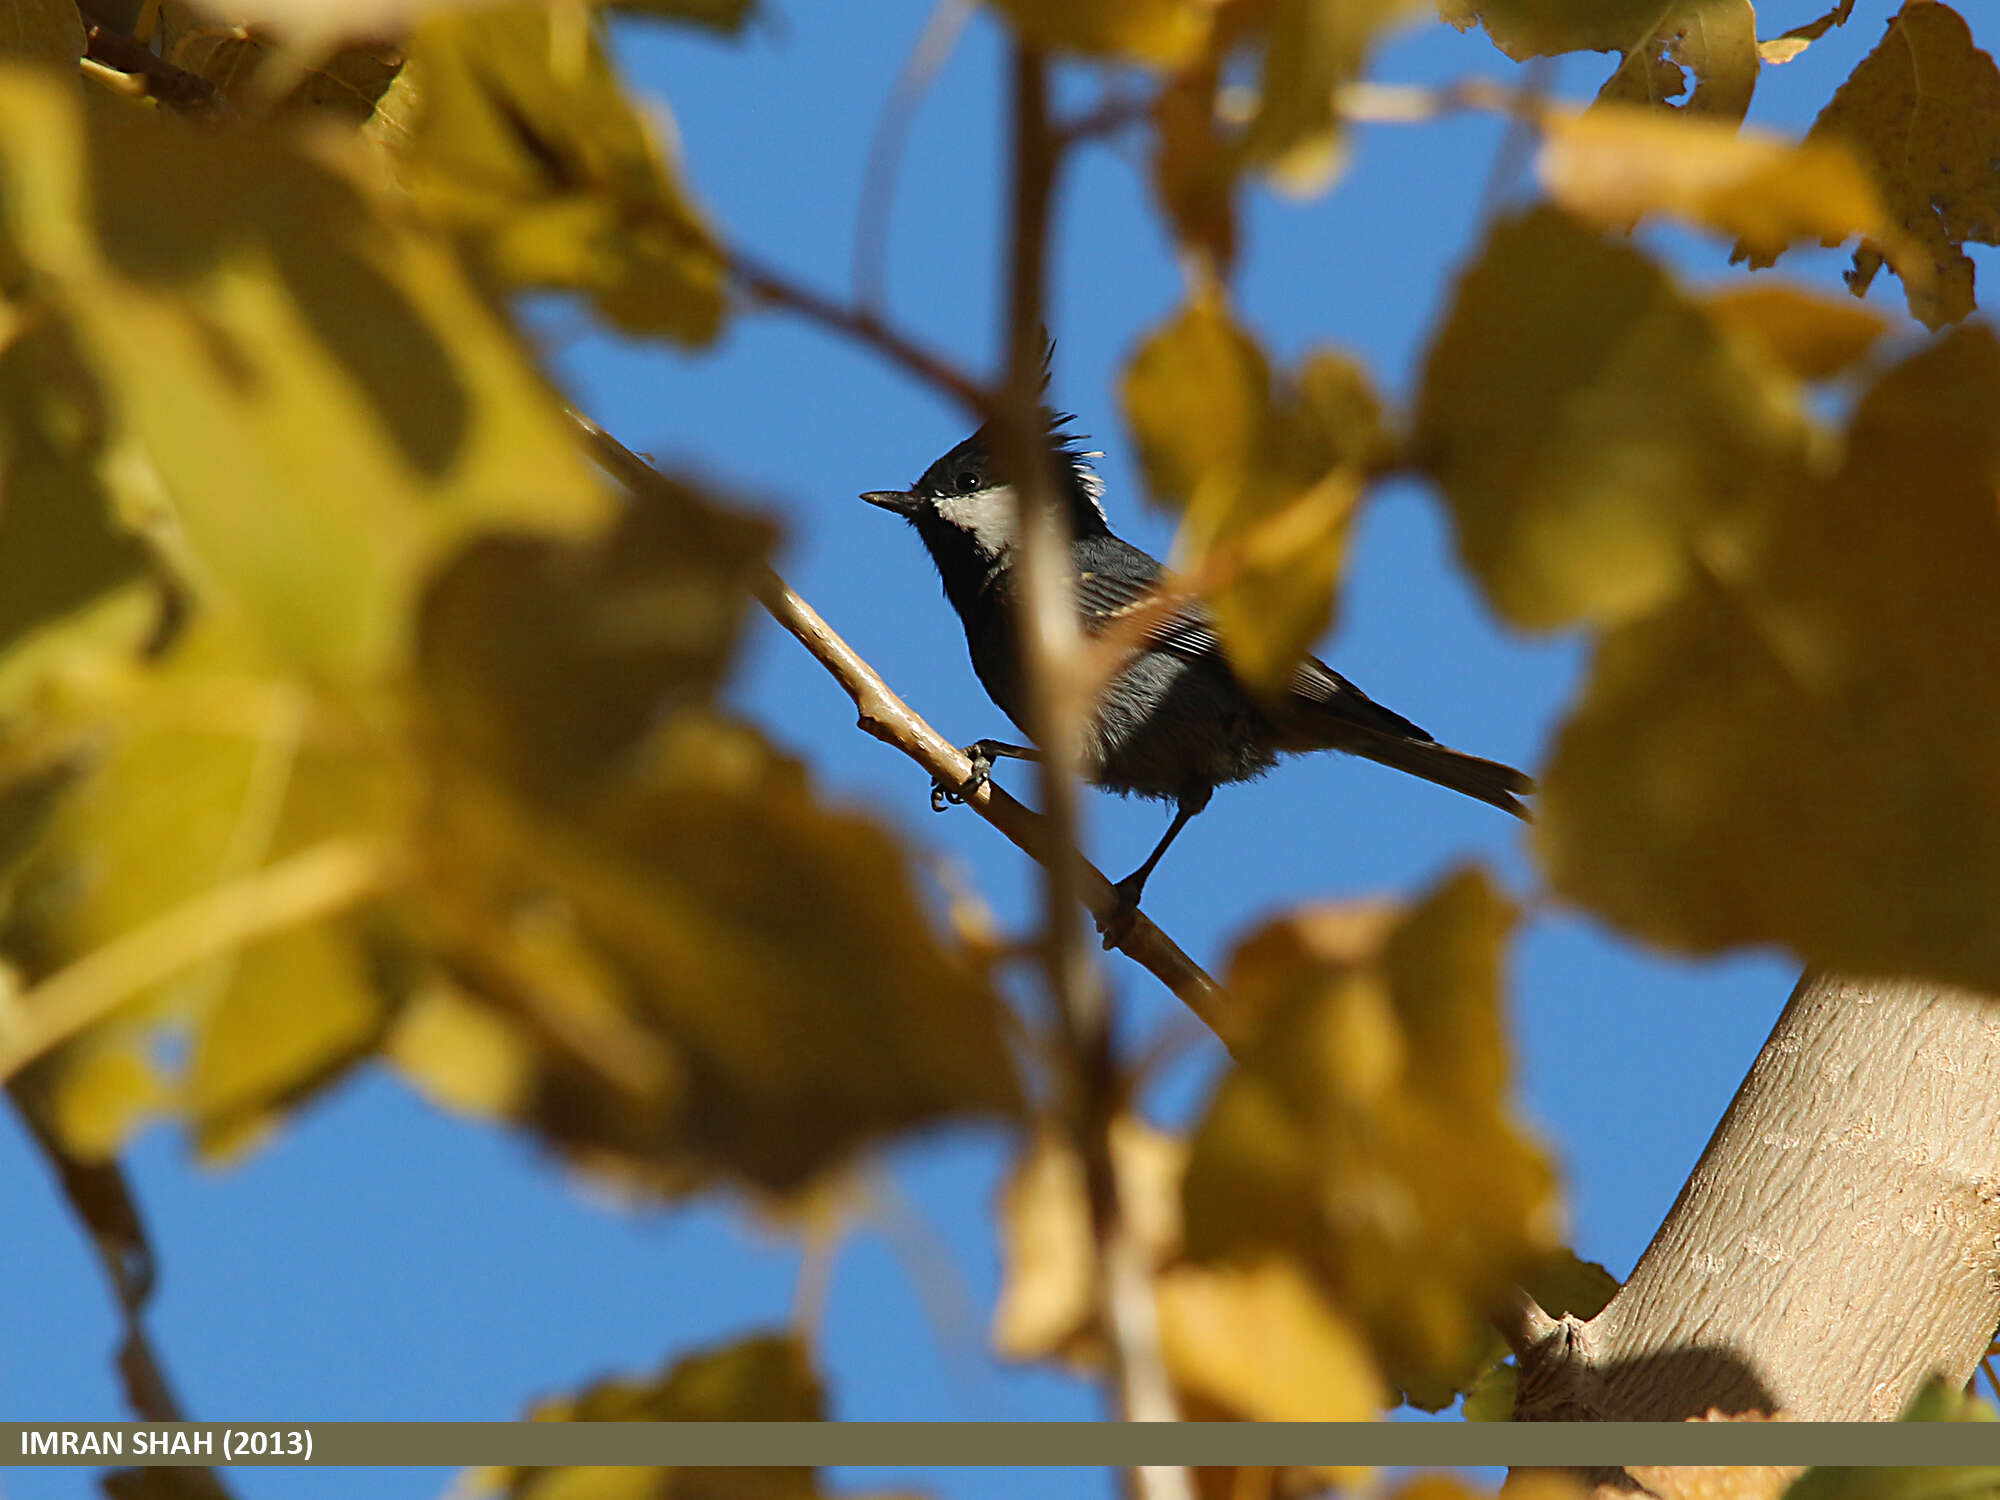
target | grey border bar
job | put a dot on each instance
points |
(1017, 1444)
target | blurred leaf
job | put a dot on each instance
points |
(1195, 164)
(792, 1000)
(1967, 1482)
(1714, 40)
(1492, 1396)
(1543, 28)
(1923, 110)
(59, 545)
(1165, 33)
(1564, 1284)
(1814, 338)
(1794, 749)
(349, 81)
(1365, 1128)
(1613, 165)
(1311, 48)
(1251, 1343)
(1047, 1297)
(762, 1378)
(521, 137)
(550, 661)
(206, 769)
(1262, 1343)
(1942, 1400)
(1268, 475)
(327, 400)
(1782, 49)
(1197, 398)
(1588, 424)
(46, 31)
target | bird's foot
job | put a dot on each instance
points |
(943, 796)
(1117, 926)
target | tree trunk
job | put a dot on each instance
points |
(1838, 1242)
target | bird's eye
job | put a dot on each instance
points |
(967, 481)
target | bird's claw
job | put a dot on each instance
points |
(943, 796)
(1117, 927)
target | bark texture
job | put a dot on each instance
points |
(1838, 1242)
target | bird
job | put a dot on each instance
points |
(1176, 722)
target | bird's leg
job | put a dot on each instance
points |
(1129, 889)
(982, 754)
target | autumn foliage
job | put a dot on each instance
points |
(349, 709)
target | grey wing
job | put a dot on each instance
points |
(1189, 632)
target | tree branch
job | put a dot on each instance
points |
(102, 1202)
(764, 284)
(1839, 1240)
(1052, 652)
(889, 719)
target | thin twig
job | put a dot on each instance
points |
(764, 284)
(1052, 649)
(885, 150)
(881, 713)
(98, 1195)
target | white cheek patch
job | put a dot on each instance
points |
(987, 516)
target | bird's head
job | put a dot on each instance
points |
(963, 497)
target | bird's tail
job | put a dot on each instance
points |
(1488, 780)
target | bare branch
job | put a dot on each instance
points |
(764, 284)
(889, 719)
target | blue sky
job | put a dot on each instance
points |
(379, 1259)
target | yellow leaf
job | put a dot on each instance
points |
(765, 948)
(1586, 422)
(1365, 1129)
(1542, 28)
(1311, 48)
(763, 1378)
(1197, 398)
(1715, 40)
(1267, 476)
(1195, 166)
(1613, 165)
(1048, 1296)
(1923, 109)
(1794, 751)
(327, 399)
(104, 1094)
(521, 137)
(1810, 336)
(463, 1055)
(1165, 33)
(1262, 1343)
(208, 769)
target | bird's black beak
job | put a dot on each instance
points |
(902, 502)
